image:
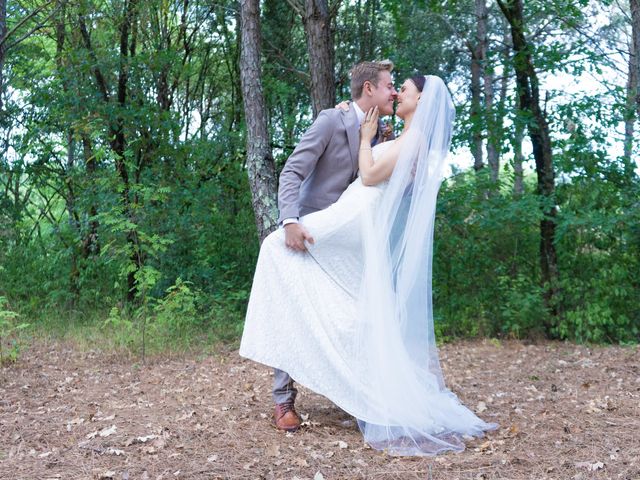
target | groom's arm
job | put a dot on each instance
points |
(302, 162)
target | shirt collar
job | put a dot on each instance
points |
(359, 112)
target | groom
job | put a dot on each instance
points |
(318, 171)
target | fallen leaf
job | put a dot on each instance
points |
(301, 462)
(105, 432)
(186, 416)
(75, 421)
(481, 407)
(592, 467)
(273, 451)
(144, 439)
(318, 476)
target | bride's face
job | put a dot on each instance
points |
(407, 99)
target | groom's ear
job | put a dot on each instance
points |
(367, 88)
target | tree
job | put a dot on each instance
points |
(260, 165)
(316, 18)
(478, 50)
(3, 34)
(633, 81)
(538, 128)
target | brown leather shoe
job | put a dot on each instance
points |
(286, 417)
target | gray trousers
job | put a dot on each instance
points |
(283, 388)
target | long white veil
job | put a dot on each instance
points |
(409, 411)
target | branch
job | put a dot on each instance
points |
(506, 11)
(298, 6)
(102, 84)
(333, 11)
(453, 30)
(25, 20)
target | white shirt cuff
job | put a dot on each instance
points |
(287, 221)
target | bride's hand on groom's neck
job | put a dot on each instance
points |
(369, 127)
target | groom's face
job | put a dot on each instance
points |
(384, 94)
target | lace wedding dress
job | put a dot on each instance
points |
(302, 310)
(351, 319)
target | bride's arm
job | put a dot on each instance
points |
(373, 173)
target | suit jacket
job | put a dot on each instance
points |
(322, 165)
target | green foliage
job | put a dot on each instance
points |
(176, 313)
(9, 328)
(78, 217)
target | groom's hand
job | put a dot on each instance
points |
(295, 236)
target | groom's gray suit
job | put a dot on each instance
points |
(318, 171)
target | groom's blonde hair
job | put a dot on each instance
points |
(367, 72)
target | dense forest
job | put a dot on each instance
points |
(141, 140)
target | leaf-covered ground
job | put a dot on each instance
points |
(566, 412)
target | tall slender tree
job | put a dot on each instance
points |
(316, 18)
(478, 50)
(529, 104)
(631, 106)
(260, 164)
(633, 82)
(3, 34)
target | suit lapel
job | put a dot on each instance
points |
(350, 120)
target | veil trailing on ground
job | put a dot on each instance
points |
(408, 411)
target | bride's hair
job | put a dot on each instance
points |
(418, 81)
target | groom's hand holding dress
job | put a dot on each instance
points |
(296, 236)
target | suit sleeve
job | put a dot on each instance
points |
(302, 162)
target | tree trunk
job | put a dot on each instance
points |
(635, 35)
(3, 33)
(518, 159)
(529, 102)
(476, 108)
(367, 27)
(120, 146)
(630, 114)
(317, 27)
(491, 124)
(316, 19)
(90, 242)
(118, 141)
(633, 87)
(260, 164)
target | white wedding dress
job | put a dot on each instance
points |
(303, 317)
(302, 310)
(352, 318)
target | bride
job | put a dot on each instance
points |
(351, 318)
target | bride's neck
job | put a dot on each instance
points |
(407, 122)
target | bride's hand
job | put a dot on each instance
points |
(343, 105)
(369, 126)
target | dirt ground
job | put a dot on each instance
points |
(565, 411)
